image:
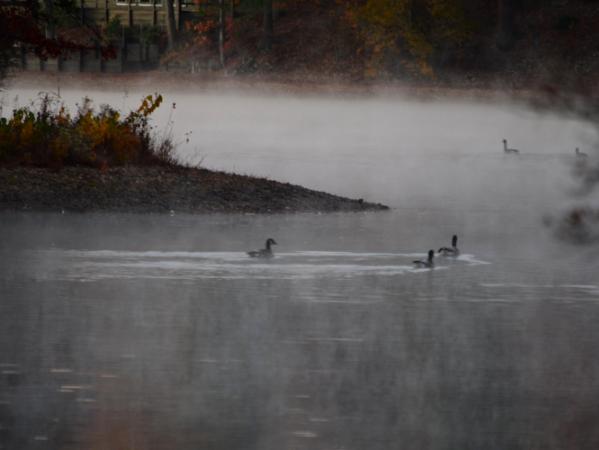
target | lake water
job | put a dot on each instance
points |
(157, 332)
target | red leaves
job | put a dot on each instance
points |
(21, 27)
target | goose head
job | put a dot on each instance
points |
(269, 242)
(454, 240)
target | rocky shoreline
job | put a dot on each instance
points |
(161, 189)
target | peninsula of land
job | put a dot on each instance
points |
(161, 189)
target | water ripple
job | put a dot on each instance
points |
(108, 264)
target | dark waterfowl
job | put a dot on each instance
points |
(429, 263)
(453, 250)
(264, 252)
(581, 155)
(506, 149)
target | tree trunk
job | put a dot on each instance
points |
(221, 32)
(50, 31)
(268, 24)
(505, 24)
(177, 18)
(170, 24)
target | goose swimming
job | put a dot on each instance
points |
(263, 252)
(453, 250)
(506, 149)
(429, 263)
(581, 155)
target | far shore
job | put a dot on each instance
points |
(274, 84)
(161, 189)
(539, 95)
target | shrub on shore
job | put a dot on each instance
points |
(49, 136)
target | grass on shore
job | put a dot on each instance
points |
(49, 136)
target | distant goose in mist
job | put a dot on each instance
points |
(429, 263)
(264, 252)
(581, 155)
(506, 149)
(453, 250)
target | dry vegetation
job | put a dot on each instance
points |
(47, 135)
(101, 160)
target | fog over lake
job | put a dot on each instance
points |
(158, 332)
(397, 150)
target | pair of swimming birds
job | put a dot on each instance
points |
(506, 149)
(445, 251)
(267, 252)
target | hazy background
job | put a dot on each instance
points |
(386, 147)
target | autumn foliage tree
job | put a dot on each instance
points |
(226, 27)
(28, 25)
(389, 36)
(48, 135)
(387, 39)
(406, 35)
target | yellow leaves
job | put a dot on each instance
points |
(126, 146)
(450, 20)
(406, 31)
(426, 69)
(418, 45)
(106, 136)
(59, 148)
(149, 104)
(26, 133)
(371, 71)
(63, 117)
(51, 136)
(384, 17)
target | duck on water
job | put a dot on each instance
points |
(263, 252)
(581, 155)
(428, 263)
(506, 149)
(453, 250)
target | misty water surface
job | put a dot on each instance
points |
(154, 331)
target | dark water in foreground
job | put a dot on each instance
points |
(157, 332)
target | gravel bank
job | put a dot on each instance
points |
(161, 189)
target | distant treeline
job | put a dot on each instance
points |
(358, 39)
(393, 38)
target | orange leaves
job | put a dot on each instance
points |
(378, 25)
(59, 148)
(149, 105)
(201, 31)
(51, 137)
(405, 31)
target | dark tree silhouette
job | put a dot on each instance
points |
(25, 27)
(268, 24)
(505, 24)
(171, 31)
